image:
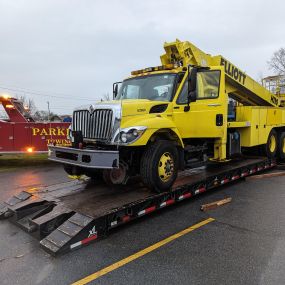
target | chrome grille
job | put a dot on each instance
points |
(96, 125)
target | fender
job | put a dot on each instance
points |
(154, 124)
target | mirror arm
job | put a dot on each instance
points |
(192, 78)
(115, 89)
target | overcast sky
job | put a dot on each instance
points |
(77, 49)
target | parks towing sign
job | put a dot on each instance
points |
(21, 134)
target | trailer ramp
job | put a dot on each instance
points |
(69, 215)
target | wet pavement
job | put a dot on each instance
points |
(244, 245)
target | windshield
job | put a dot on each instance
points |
(152, 87)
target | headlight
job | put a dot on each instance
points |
(129, 135)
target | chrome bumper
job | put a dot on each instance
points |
(84, 158)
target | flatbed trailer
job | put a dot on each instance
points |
(70, 215)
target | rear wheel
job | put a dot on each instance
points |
(159, 166)
(281, 145)
(271, 145)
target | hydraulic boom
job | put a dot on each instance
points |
(239, 85)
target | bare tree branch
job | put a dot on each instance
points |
(277, 62)
(29, 104)
(106, 97)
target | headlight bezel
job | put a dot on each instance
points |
(129, 135)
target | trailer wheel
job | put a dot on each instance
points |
(272, 144)
(159, 166)
(281, 146)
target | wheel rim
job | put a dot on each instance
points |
(165, 167)
(272, 144)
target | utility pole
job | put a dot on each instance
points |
(48, 111)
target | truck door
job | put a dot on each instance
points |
(207, 115)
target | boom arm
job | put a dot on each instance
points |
(15, 110)
(239, 86)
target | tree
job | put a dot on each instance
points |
(44, 115)
(277, 61)
(106, 97)
(29, 104)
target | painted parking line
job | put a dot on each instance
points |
(141, 253)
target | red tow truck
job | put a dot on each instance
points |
(20, 133)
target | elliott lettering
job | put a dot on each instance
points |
(233, 71)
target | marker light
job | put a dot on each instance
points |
(9, 106)
(30, 150)
(156, 68)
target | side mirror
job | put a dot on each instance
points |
(192, 84)
(115, 89)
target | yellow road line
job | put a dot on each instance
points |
(141, 253)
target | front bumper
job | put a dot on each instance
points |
(97, 159)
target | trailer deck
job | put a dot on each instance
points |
(69, 215)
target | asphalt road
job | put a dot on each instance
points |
(244, 245)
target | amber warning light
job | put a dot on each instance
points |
(5, 96)
(156, 68)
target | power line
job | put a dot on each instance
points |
(38, 93)
(61, 108)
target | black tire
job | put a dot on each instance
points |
(270, 147)
(149, 166)
(281, 146)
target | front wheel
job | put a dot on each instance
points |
(159, 166)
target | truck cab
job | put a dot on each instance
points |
(161, 120)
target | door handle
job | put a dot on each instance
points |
(214, 105)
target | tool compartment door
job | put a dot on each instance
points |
(22, 136)
(6, 137)
(262, 129)
(207, 115)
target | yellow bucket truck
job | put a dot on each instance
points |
(191, 109)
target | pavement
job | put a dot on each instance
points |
(245, 244)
